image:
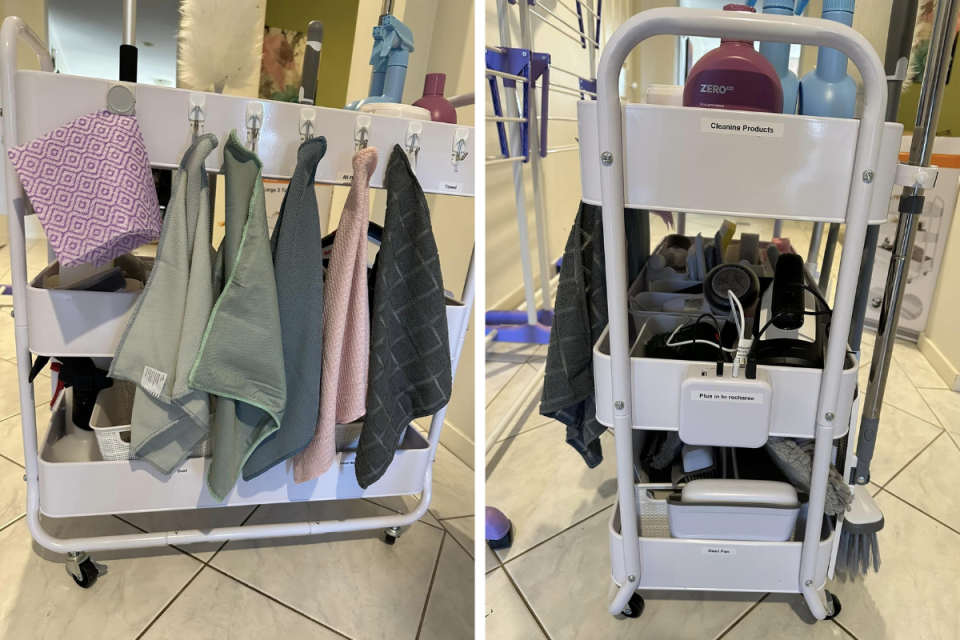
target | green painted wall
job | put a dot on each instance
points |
(339, 19)
(949, 124)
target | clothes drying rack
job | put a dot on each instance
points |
(666, 158)
(36, 102)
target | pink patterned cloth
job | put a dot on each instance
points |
(346, 326)
(90, 183)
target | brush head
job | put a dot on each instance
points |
(220, 44)
(859, 545)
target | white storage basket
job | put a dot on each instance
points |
(111, 418)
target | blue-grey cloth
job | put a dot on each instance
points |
(298, 268)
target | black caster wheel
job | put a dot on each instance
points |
(390, 536)
(634, 608)
(88, 574)
(836, 606)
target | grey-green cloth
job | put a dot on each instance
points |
(163, 336)
(410, 373)
(241, 356)
(298, 267)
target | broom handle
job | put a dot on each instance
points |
(911, 205)
(128, 50)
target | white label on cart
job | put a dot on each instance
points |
(693, 304)
(742, 127)
(451, 187)
(153, 380)
(185, 471)
(345, 174)
(717, 551)
(725, 396)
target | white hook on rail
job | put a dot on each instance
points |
(254, 121)
(308, 117)
(196, 114)
(361, 132)
(459, 154)
(412, 143)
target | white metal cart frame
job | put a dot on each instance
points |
(438, 156)
(670, 21)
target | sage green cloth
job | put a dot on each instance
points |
(166, 328)
(298, 263)
(241, 356)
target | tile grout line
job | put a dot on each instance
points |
(12, 461)
(421, 520)
(909, 462)
(13, 522)
(523, 599)
(505, 385)
(916, 508)
(455, 538)
(756, 604)
(279, 602)
(433, 577)
(844, 629)
(167, 606)
(546, 540)
(220, 548)
(549, 422)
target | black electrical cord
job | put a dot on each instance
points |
(716, 326)
(752, 359)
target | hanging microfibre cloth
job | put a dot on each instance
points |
(410, 370)
(297, 264)
(346, 325)
(90, 183)
(162, 338)
(241, 356)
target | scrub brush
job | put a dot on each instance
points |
(859, 547)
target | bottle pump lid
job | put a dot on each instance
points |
(738, 7)
(778, 4)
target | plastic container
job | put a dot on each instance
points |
(77, 323)
(778, 53)
(734, 76)
(724, 509)
(441, 110)
(708, 564)
(111, 418)
(666, 94)
(828, 90)
(395, 110)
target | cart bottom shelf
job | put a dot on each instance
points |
(707, 565)
(133, 486)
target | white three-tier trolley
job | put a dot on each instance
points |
(661, 158)
(51, 322)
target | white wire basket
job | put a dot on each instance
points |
(111, 418)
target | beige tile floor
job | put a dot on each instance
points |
(553, 583)
(325, 587)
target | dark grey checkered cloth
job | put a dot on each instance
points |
(298, 268)
(410, 374)
(580, 316)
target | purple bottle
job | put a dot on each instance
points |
(734, 76)
(433, 101)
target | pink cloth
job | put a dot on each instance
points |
(346, 326)
(91, 186)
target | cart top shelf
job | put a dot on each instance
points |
(737, 163)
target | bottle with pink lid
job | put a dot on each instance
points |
(734, 76)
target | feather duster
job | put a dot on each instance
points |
(220, 43)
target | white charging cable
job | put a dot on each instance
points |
(743, 344)
(670, 342)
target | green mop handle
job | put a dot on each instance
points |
(911, 205)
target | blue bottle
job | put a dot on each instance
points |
(778, 53)
(829, 91)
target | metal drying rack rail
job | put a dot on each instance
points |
(796, 567)
(35, 103)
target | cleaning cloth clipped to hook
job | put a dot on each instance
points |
(90, 183)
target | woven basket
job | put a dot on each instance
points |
(111, 419)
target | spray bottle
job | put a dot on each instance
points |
(778, 53)
(392, 46)
(828, 90)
